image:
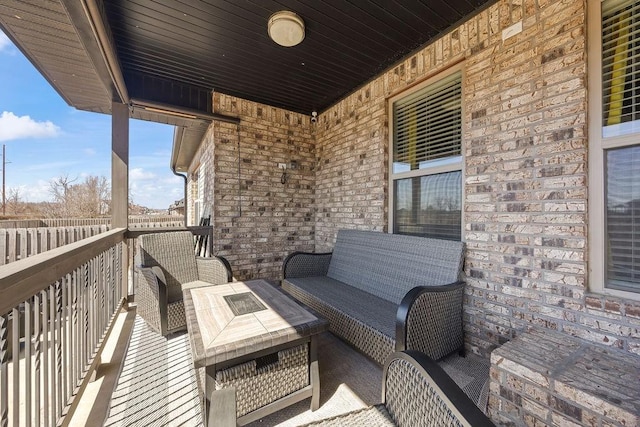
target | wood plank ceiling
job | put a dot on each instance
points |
(173, 51)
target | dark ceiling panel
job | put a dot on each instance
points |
(223, 45)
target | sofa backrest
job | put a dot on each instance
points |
(389, 265)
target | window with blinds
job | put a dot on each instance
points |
(621, 152)
(427, 160)
(623, 218)
(620, 67)
(427, 125)
(429, 206)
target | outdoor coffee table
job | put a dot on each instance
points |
(254, 338)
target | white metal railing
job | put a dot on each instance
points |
(55, 310)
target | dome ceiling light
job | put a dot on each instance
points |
(286, 28)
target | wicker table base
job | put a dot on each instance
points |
(267, 355)
(292, 376)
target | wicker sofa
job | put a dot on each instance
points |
(415, 392)
(376, 287)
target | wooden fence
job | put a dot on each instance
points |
(134, 222)
(20, 243)
(37, 236)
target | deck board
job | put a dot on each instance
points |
(157, 385)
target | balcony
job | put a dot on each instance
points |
(74, 351)
(538, 302)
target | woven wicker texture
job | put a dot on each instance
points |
(412, 400)
(258, 387)
(175, 317)
(394, 264)
(372, 416)
(349, 381)
(434, 325)
(173, 253)
(471, 374)
(376, 344)
(301, 264)
(379, 314)
(212, 270)
(147, 298)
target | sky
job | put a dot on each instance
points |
(45, 139)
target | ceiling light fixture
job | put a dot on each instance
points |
(286, 28)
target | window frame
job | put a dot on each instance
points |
(198, 194)
(598, 145)
(439, 167)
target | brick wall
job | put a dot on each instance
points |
(525, 192)
(526, 171)
(351, 165)
(525, 150)
(258, 220)
(526, 182)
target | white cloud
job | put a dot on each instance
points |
(139, 174)
(13, 127)
(154, 191)
(5, 43)
(37, 192)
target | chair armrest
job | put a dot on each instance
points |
(151, 297)
(215, 270)
(415, 389)
(429, 319)
(306, 264)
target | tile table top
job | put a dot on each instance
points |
(218, 334)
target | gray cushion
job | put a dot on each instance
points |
(378, 313)
(390, 265)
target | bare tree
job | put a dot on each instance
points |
(15, 204)
(87, 199)
(60, 189)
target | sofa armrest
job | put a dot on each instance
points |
(429, 319)
(416, 391)
(215, 270)
(151, 297)
(306, 264)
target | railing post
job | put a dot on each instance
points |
(4, 371)
(120, 181)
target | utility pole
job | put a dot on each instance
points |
(4, 164)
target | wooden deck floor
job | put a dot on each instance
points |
(157, 384)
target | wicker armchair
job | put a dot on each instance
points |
(168, 266)
(415, 392)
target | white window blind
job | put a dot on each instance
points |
(621, 124)
(427, 125)
(623, 218)
(427, 157)
(620, 67)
